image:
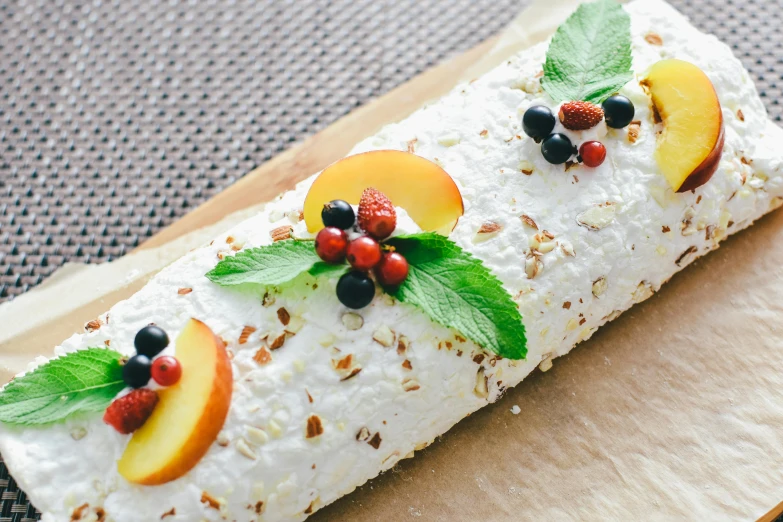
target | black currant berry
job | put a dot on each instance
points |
(538, 122)
(151, 340)
(618, 111)
(136, 372)
(557, 148)
(338, 213)
(355, 289)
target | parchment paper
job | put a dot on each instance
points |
(674, 411)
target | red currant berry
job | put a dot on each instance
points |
(364, 253)
(330, 244)
(166, 370)
(392, 270)
(593, 153)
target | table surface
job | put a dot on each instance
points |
(117, 118)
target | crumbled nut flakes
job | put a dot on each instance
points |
(211, 501)
(247, 331)
(314, 428)
(597, 216)
(244, 449)
(278, 342)
(375, 441)
(363, 435)
(383, 336)
(481, 389)
(283, 316)
(282, 233)
(407, 364)
(410, 385)
(93, 325)
(490, 227)
(599, 286)
(352, 321)
(402, 344)
(184, 291)
(653, 39)
(527, 220)
(262, 356)
(634, 128)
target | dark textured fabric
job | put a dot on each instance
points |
(118, 117)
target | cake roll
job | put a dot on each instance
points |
(322, 397)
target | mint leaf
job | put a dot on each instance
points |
(589, 57)
(275, 264)
(327, 269)
(457, 291)
(80, 382)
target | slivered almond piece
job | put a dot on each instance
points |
(262, 356)
(634, 128)
(315, 427)
(527, 220)
(247, 331)
(93, 325)
(375, 441)
(211, 501)
(283, 316)
(184, 291)
(278, 342)
(407, 364)
(653, 39)
(490, 227)
(282, 233)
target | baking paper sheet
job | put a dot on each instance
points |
(674, 411)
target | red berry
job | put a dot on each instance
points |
(377, 216)
(593, 153)
(330, 244)
(130, 412)
(166, 370)
(364, 253)
(392, 270)
(580, 115)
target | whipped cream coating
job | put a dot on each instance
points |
(618, 232)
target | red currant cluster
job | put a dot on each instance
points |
(377, 219)
(539, 121)
(129, 412)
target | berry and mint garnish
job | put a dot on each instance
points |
(331, 244)
(580, 115)
(166, 370)
(363, 253)
(150, 341)
(557, 148)
(538, 122)
(392, 270)
(618, 111)
(129, 413)
(338, 213)
(377, 216)
(592, 153)
(136, 372)
(355, 289)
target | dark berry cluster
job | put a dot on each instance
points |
(366, 253)
(165, 370)
(538, 122)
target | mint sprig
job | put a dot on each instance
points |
(80, 382)
(272, 265)
(589, 57)
(457, 291)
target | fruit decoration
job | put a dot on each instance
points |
(394, 173)
(363, 253)
(166, 370)
(557, 148)
(136, 372)
(392, 270)
(618, 111)
(150, 341)
(339, 214)
(129, 413)
(580, 115)
(331, 244)
(592, 153)
(355, 289)
(538, 122)
(689, 148)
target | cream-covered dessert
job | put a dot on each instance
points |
(574, 246)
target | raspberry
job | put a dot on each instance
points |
(377, 216)
(580, 115)
(129, 413)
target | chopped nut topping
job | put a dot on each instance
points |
(283, 316)
(263, 356)
(278, 342)
(567, 305)
(527, 220)
(256, 435)
(244, 449)
(363, 435)
(222, 439)
(567, 248)
(344, 363)
(354, 372)
(481, 389)
(665, 229)
(653, 39)
(689, 251)
(634, 128)
(259, 507)
(599, 286)
(352, 321)
(246, 332)
(309, 397)
(597, 216)
(208, 499)
(184, 291)
(643, 291)
(490, 227)
(268, 300)
(546, 363)
(484, 133)
(407, 364)
(525, 167)
(78, 432)
(740, 115)
(375, 441)
(309, 509)
(384, 336)
(314, 427)
(402, 345)
(410, 385)
(93, 325)
(282, 233)
(412, 145)
(533, 266)
(478, 358)
(170, 513)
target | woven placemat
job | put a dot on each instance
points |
(116, 118)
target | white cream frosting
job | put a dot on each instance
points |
(619, 232)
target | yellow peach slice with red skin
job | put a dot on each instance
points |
(689, 148)
(189, 414)
(421, 187)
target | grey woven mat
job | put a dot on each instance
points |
(117, 117)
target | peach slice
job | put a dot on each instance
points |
(188, 416)
(421, 187)
(689, 148)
